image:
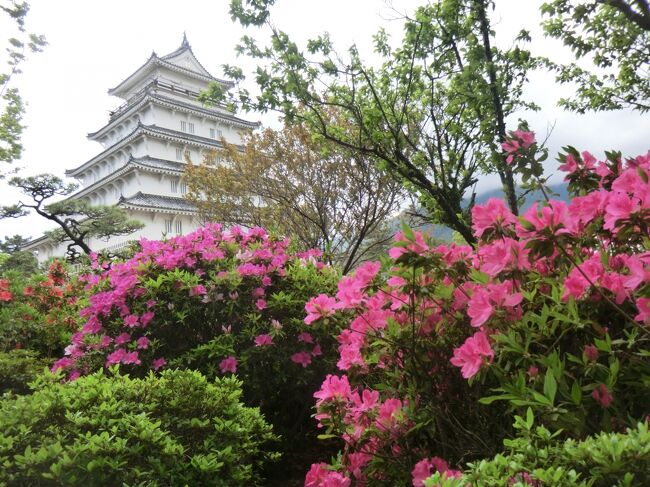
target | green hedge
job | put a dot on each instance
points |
(175, 429)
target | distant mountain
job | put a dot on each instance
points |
(443, 233)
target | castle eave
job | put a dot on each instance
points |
(153, 131)
(158, 204)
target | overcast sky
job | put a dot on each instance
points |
(93, 45)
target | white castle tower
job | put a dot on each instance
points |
(145, 144)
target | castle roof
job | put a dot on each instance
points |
(156, 203)
(146, 163)
(182, 60)
(152, 131)
(147, 96)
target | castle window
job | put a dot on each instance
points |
(191, 127)
(183, 125)
(174, 185)
(183, 187)
(179, 154)
(212, 134)
(179, 227)
(188, 154)
(168, 226)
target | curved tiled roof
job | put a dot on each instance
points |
(157, 203)
(151, 130)
(176, 104)
(146, 163)
(155, 60)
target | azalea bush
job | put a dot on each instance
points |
(221, 302)
(174, 429)
(444, 344)
(41, 312)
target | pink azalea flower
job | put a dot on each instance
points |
(305, 337)
(228, 364)
(258, 292)
(480, 309)
(316, 351)
(492, 215)
(62, 363)
(146, 318)
(158, 363)
(261, 304)
(643, 305)
(143, 343)
(320, 476)
(389, 414)
(319, 307)
(334, 388)
(527, 138)
(427, 467)
(570, 165)
(602, 395)
(302, 358)
(116, 357)
(198, 290)
(591, 352)
(263, 340)
(505, 254)
(131, 358)
(131, 321)
(472, 354)
(122, 338)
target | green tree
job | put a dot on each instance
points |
(78, 220)
(432, 114)
(322, 195)
(14, 259)
(615, 36)
(12, 106)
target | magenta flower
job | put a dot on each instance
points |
(602, 395)
(115, 357)
(427, 467)
(319, 307)
(479, 308)
(261, 304)
(158, 363)
(198, 290)
(334, 388)
(122, 338)
(302, 358)
(131, 321)
(263, 340)
(319, 475)
(472, 354)
(305, 337)
(494, 215)
(643, 305)
(228, 364)
(131, 358)
(143, 343)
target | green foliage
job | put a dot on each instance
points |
(615, 37)
(176, 429)
(24, 263)
(18, 368)
(78, 220)
(537, 457)
(11, 127)
(432, 114)
(322, 195)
